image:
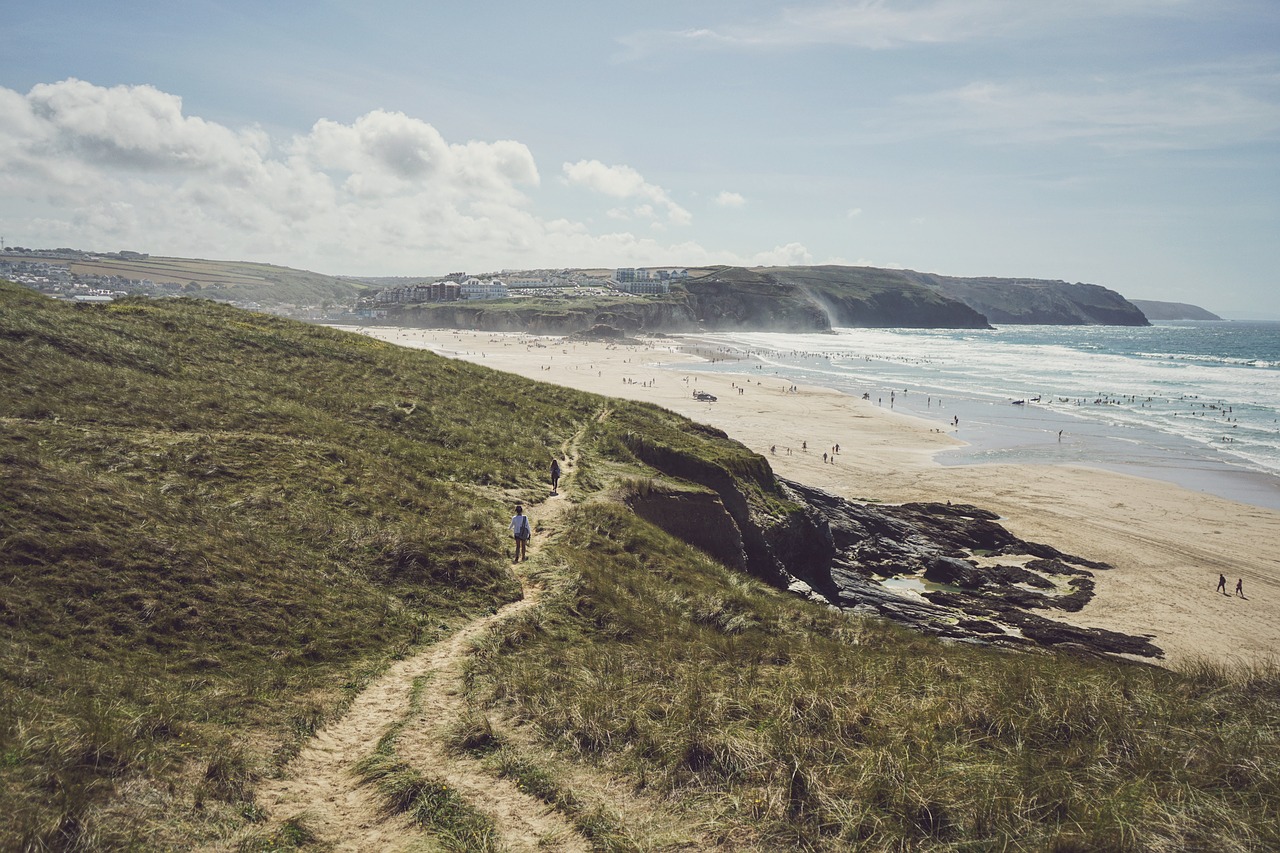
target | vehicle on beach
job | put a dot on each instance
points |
(704, 396)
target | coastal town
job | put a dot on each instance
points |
(82, 276)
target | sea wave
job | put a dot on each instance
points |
(1174, 398)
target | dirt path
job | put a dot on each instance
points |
(323, 791)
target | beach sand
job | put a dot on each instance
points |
(1167, 544)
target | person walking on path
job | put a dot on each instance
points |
(1239, 587)
(522, 533)
(1222, 584)
(555, 476)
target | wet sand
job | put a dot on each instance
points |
(1167, 544)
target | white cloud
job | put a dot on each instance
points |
(625, 182)
(1178, 109)
(792, 254)
(853, 213)
(124, 167)
(730, 199)
(880, 24)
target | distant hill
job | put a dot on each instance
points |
(238, 281)
(225, 281)
(782, 299)
(723, 298)
(1016, 301)
(1169, 311)
(801, 299)
(864, 297)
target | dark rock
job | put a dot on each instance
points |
(836, 550)
(855, 543)
(980, 626)
(949, 570)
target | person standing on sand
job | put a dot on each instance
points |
(521, 532)
(1222, 584)
(555, 476)
(1239, 587)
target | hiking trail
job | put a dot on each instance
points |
(322, 791)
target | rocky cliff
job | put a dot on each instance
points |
(822, 297)
(943, 569)
(1015, 301)
(564, 316)
(782, 299)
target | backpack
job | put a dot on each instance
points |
(524, 532)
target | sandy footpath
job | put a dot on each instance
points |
(1167, 544)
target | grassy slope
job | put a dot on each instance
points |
(212, 523)
(796, 728)
(231, 280)
(215, 525)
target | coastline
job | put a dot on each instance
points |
(1168, 544)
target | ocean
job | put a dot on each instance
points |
(1193, 403)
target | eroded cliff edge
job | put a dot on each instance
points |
(947, 570)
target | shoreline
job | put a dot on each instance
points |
(1168, 544)
(1034, 433)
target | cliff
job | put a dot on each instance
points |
(1172, 311)
(775, 298)
(1016, 301)
(980, 583)
(554, 316)
(798, 299)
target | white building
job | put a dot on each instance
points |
(475, 288)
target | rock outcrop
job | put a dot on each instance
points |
(943, 569)
(965, 576)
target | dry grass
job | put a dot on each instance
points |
(812, 730)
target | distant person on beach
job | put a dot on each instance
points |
(555, 476)
(521, 532)
(1222, 584)
(1240, 587)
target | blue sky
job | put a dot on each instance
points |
(1129, 143)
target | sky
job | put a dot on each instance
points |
(1129, 143)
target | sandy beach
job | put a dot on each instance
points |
(1167, 544)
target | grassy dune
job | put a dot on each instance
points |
(216, 526)
(800, 728)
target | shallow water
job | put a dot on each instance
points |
(1193, 403)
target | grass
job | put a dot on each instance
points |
(229, 280)
(807, 729)
(216, 527)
